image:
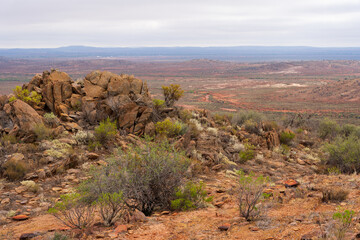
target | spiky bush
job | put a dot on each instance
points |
(15, 169)
(242, 116)
(328, 128)
(73, 211)
(170, 128)
(106, 131)
(191, 196)
(250, 193)
(172, 94)
(286, 137)
(26, 96)
(343, 153)
(147, 176)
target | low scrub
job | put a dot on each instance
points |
(112, 207)
(242, 116)
(15, 169)
(190, 196)
(172, 94)
(42, 132)
(334, 194)
(26, 96)
(286, 137)
(73, 211)
(252, 127)
(328, 129)
(51, 119)
(248, 153)
(343, 153)
(106, 131)
(344, 222)
(170, 128)
(147, 176)
(250, 193)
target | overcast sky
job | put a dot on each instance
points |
(55, 23)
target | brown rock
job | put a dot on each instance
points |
(24, 115)
(20, 217)
(94, 91)
(224, 227)
(92, 156)
(291, 183)
(121, 229)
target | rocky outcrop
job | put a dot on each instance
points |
(98, 96)
(22, 115)
(122, 97)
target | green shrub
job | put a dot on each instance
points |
(347, 129)
(220, 119)
(42, 132)
(252, 127)
(112, 207)
(250, 193)
(158, 103)
(83, 137)
(328, 128)
(284, 149)
(7, 138)
(51, 119)
(26, 96)
(15, 169)
(73, 211)
(270, 126)
(106, 131)
(286, 137)
(185, 115)
(147, 176)
(344, 222)
(242, 116)
(344, 153)
(172, 94)
(169, 128)
(248, 153)
(94, 146)
(191, 196)
(59, 150)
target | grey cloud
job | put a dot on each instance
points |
(52, 23)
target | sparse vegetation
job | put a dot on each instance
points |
(248, 153)
(343, 153)
(344, 222)
(26, 96)
(73, 211)
(242, 116)
(42, 132)
(51, 119)
(286, 137)
(147, 176)
(15, 169)
(106, 131)
(170, 128)
(83, 137)
(250, 193)
(172, 94)
(158, 103)
(112, 207)
(328, 129)
(334, 194)
(190, 196)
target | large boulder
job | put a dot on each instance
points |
(22, 115)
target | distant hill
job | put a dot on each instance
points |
(244, 53)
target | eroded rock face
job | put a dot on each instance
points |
(22, 115)
(122, 97)
(98, 96)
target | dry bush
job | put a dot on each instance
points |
(15, 169)
(334, 194)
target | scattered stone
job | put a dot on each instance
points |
(21, 217)
(92, 156)
(224, 227)
(291, 183)
(121, 229)
(26, 236)
(5, 201)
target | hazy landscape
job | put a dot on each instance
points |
(179, 120)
